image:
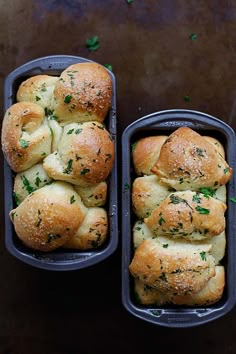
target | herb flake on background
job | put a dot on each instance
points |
(193, 36)
(92, 43)
(108, 66)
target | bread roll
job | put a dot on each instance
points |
(218, 146)
(48, 217)
(92, 232)
(174, 270)
(147, 194)
(188, 161)
(84, 157)
(38, 89)
(93, 196)
(210, 294)
(83, 93)
(146, 152)
(188, 214)
(26, 137)
(29, 181)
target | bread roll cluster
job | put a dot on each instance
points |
(55, 141)
(179, 237)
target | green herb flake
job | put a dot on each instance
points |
(207, 192)
(84, 171)
(72, 199)
(199, 152)
(233, 199)
(186, 98)
(37, 98)
(68, 169)
(201, 210)
(67, 99)
(27, 185)
(37, 181)
(16, 198)
(43, 154)
(226, 170)
(13, 215)
(108, 66)
(196, 198)
(126, 186)
(193, 36)
(133, 146)
(129, 1)
(165, 245)
(51, 131)
(203, 255)
(77, 131)
(24, 144)
(161, 220)
(70, 131)
(92, 43)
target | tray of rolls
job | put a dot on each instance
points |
(60, 169)
(178, 218)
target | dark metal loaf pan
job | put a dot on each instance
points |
(160, 123)
(60, 260)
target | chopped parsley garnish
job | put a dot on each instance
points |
(193, 36)
(27, 185)
(37, 181)
(201, 210)
(67, 99)
(129, 1)
(92, 43)
(165, 245)
(108, 66)
(24, 144)
(84, 171)
(203, 255)
(199, 152)
(187, 98)
(77, 131)
(226, 170)
(43, 154)
(68, 169)
(70, 131)
(37, 98)
(196, 198)
(174, 199)
(207, 192)
(72, 199)
(51, 131)
(16, 198)
(126, 186)
(233, 199)
(133, 146)
(161, 220)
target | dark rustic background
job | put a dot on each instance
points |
(156, 64)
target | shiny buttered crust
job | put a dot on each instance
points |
(188, 161)
(147, 194)
(209, 294)
(83, 93)
(175, 270)
(188, 214)
(29, 181)
(26, 137)
(146, 152)
(93, 231)
(49, 217)
(85, 155)
(37, 89)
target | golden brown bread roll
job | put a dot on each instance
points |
(84, 157)
(217, 243)
(38, 89)
(29, 181)
(174, 270)
(211, 293)
(217, 144)
(83, 93)
(48, 217)
(188, 161)
(147, 194)
(188, 214)
(26, 137)
(146, 152)
(93, 196)
(92, 232)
